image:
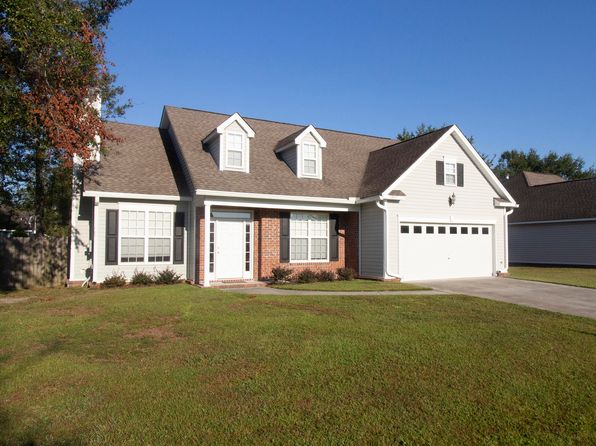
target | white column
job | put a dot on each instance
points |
(206, 232)
(94, 239)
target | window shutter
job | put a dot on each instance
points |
(333, 237)
(440, 173)
(111, 237)
(178, 237)
(284, 237)
(460, 175)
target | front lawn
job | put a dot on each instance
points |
(352, 285)
(583, 277)
(183, 365)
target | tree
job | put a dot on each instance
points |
(422, 129)
(567, 166)
(52, 70)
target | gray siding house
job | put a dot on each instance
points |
(556, 221)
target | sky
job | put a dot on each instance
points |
(513, 74)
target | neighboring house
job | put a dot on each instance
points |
(556, 221)
(224, 198)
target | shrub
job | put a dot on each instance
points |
(306, 276)
(325, 276)
(114, 281)
(281, 274)
(141, 278)
(166, 277)
(346, 274)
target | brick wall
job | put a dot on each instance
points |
(266, 227)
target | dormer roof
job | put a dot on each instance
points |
(295, 138)
(224, 125)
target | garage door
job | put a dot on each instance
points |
(436, 251)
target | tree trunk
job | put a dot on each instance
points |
(39, 195)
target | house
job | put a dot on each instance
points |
(226, 198)
(556, 221)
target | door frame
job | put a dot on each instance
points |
(244, 216)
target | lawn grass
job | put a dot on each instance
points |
(352, 285)
(582, 277)
(180, 365)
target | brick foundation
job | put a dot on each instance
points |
(266, 244)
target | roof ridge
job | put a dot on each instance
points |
(133, 124)
(565, 181)
(415, 137)
(281, 122)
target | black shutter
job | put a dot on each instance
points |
(460, 174)
(440, 173)
(333, 237)
(179, 237)
(111, 237)
(284, 237)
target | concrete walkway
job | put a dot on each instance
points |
(280, 292)
(546, 296)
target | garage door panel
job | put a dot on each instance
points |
(434, 251)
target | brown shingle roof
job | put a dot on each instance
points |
(386, 165)
(537, 179)
(142, 163)
(559, 200)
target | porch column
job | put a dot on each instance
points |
(206, 234)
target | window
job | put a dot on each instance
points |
(485, 231)
(247, 246)
(417, 229)
(235, 150)
(452, 230)
(474, 230)
(441, 229)
(145, 236)
(464, 230)
(430, 229)
(211, 247)
(450, 173)
(405, 229)
(310, 160)
(309, 237)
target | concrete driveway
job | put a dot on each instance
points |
(546, 296)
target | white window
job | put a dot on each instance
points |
(450, 173)
(310, 160)
(145, 236)
(309, 237)
(234, 150)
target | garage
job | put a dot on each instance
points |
(439, 251)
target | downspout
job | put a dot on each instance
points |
(386, 238)
(507, 214)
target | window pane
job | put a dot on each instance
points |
(485, 231)
(441, 229)
(310, 167)
(464, 230)
(310, 151)
(299, 249)
(132, 223)
(132, 249)
(405, 229)
(450, 179)
(318, 249)
(417, 229)
(234, 142)
(318, 226)
(452, 230)
(474, 230)
(159, 250)
(160, 224)
(234, 158)
(298, 225)
(430, 229)
(450, 168)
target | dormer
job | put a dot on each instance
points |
(229, 144)
(302, 152)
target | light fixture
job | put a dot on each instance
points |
(452, 199)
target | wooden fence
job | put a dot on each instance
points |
(33, 261)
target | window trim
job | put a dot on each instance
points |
(309, 238)
(242, 166)
(316, 159)
(450, 161)
(146, 209)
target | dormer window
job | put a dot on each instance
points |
(229, 144)
(302, 152)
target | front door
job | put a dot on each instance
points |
(229, 248)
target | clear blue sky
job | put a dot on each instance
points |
(514, 74)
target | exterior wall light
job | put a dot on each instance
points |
(452, 199)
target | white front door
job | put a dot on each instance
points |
(229, 248)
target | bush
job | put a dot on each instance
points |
(114, 281)
(142, 278)
(346, 274)
(167, 277)
(306, 276)
(281, 274)
(325, 276)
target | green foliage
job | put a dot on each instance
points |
(167, 277)
(346, 274)
(567, 166)
(280, 274)
(142, 278)
(422, 129)
(325, 276)
(306, 276)
(115, 280)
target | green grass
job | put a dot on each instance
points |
(582, 277)
(180, 365)
(352, 285)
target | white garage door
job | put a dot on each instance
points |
(440, 251)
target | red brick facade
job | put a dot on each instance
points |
(266, 244)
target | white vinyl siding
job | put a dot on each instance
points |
(309, 237)
(371, 241)
(562, 243)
